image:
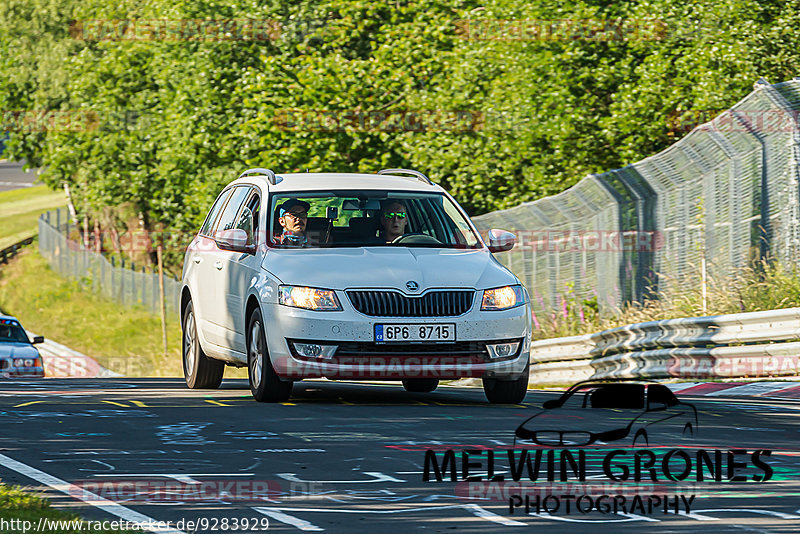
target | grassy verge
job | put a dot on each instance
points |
(125, 340)
(19, 507)
(20, 210)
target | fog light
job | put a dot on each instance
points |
(502, 350)
(315, 350)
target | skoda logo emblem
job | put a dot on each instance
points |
(412, 285)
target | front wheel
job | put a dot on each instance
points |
(200, 371)
(506, 391)
(265, 385)
(420, 385)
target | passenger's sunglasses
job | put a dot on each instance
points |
(392, 215)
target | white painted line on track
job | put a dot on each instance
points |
(296, 522)
(279, 514)
(491, 516)
(750, 511)
(377, 477)
(123, 512)
(756, 388)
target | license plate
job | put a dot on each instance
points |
(400, 333)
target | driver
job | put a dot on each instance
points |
(292, 216)
(392, 220)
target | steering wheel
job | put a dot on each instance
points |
(416, 239)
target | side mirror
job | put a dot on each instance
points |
(37, 340)
(500, 240)
(235, 240)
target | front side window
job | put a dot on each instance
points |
(208, 225)
(368, 218)
(227, 220)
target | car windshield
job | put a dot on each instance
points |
(369, 218)
(614, 396)
(12, 332)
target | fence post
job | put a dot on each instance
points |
(161, 298)
(133, 283)
(122, 280)
(144, 289)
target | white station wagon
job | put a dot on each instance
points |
(350, 276)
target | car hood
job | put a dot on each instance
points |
(382, 267)
(18, 350)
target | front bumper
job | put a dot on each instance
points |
(359, 357)
(9, 370)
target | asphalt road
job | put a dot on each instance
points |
(348, 457)
(13, 177)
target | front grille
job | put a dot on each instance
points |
(5, 364)
(395, 304)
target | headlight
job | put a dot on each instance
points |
(309, 298)
(502, 298)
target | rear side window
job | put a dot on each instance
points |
(211, 218)
(227, 220)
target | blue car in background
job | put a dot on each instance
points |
(18, 356)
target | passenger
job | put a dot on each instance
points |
(392, 220)
(292, 216)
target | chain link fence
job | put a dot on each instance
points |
(724, 195)
(113, 279)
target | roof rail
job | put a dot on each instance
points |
(263, 172)
(418, 174)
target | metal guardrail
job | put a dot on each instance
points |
(9, 252)
(756, 344)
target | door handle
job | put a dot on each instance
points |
(218, 265)
(197, 259)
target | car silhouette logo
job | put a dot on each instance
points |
(411, 285)
(594, 411)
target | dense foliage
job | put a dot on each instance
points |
(159, 124)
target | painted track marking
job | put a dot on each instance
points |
(279, 514)
(123, 512)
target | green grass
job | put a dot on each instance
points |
(125, 340)
(20, 210)
(17, 505)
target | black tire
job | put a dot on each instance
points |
(507, 391)
(264, 382)
(420, 385)
(200, 371)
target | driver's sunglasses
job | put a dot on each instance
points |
(296, 217)
(392, 215)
